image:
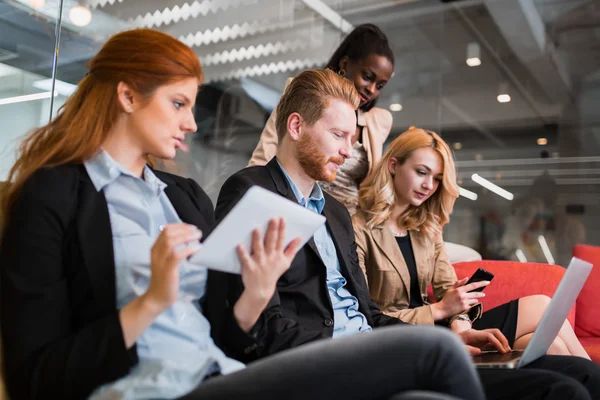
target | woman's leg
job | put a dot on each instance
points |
(376, 365)
(531, 309)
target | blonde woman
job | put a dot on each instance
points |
(404, 204)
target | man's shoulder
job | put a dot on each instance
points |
(250, 176)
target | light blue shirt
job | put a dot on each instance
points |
(347, 320)
(176, 352)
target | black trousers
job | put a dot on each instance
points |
(548, 378)
(388, 362)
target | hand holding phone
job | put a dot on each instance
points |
(480, 275)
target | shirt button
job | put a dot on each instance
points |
(328, 322)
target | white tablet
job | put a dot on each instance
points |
(254, 210)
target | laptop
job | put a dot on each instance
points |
(550, 324)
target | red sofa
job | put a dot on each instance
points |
(514, 280)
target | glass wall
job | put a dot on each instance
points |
(512, 85)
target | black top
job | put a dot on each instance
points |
(409, 258)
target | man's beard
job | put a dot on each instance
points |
(314, 161)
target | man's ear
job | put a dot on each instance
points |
(294, 126)
(125, 97)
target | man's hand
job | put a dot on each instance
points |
(475, 340)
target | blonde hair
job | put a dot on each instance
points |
(377, 196)
(309, 93)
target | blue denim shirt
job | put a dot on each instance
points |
(176, 352)
(347, 319)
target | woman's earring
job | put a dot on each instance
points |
(393, 173)
(342, 72)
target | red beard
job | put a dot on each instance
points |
(314, 161)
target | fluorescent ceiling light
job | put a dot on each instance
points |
(27, 97)
(330, 15)
(467, 193)
(492, 187)
(520, 255)
(546, 249)
(63, 88)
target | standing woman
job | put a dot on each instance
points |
(404, 206)
(99, 299)
(365, 58)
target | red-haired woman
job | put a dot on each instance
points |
(98, 298)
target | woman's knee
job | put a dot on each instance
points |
(559, 348)
(539, 301)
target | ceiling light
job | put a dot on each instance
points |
(27, 97)
(492, 187)
(63, 88)
(473, 62)
(520, 255)
(457, 145)
(467, 193)
(37, 3)
(80, 16)
(503, 96)
(542, 141)
(395, 102)
(545, 249)
(473, 54)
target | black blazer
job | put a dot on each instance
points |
(61, 332)
(301, 309)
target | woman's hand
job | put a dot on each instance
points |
(261, 269)
(475, 340)
(166, 255)
(458, 299)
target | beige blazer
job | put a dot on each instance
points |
(376, 124)
(387, 275)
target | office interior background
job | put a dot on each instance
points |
(512, 85)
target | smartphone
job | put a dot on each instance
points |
(480, 275)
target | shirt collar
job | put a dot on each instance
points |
(103, 170)
(316, 196)
(360, 117)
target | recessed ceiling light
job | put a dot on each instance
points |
(396, 107)
(457, 145)
(542, 141)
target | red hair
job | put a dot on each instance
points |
(144, 59)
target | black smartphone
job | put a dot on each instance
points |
(480, 275)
